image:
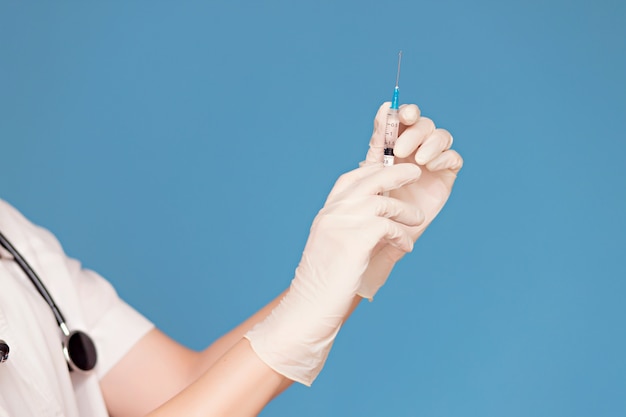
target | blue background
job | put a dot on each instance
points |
(182, 149)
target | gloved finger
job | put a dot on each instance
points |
(379, 206)
(349, 178)
(375, 230)
(409, 114)
(377, 141)
(397, 210)
(433, 146)
(396, 235)
(362, 233)
(384, 179)
(413, 136)
(449, 159)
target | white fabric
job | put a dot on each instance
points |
(35, 380)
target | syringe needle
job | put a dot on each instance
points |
(399, 62)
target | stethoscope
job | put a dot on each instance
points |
(78, 348)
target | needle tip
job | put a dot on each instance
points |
(399, 62)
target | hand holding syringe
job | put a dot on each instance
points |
(409, 138)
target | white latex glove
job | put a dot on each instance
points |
(296, 337)
(419, 143)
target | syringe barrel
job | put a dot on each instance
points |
(391, 135)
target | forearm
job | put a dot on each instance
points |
(209, 356)
(236, 384)
(143, 381)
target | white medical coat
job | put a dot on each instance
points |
(35, 381)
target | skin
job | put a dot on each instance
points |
(226, 379)
(159, 377)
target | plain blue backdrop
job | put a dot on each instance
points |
(182, 149)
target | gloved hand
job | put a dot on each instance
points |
(419, 143)
(296, 337)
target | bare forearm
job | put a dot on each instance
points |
(142, 381)
(236, 384)
(209, 356)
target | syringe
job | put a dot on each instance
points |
(393, 122)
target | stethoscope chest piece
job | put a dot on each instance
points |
(4, 351)
(79, 351)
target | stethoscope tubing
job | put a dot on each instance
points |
(34, 278)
